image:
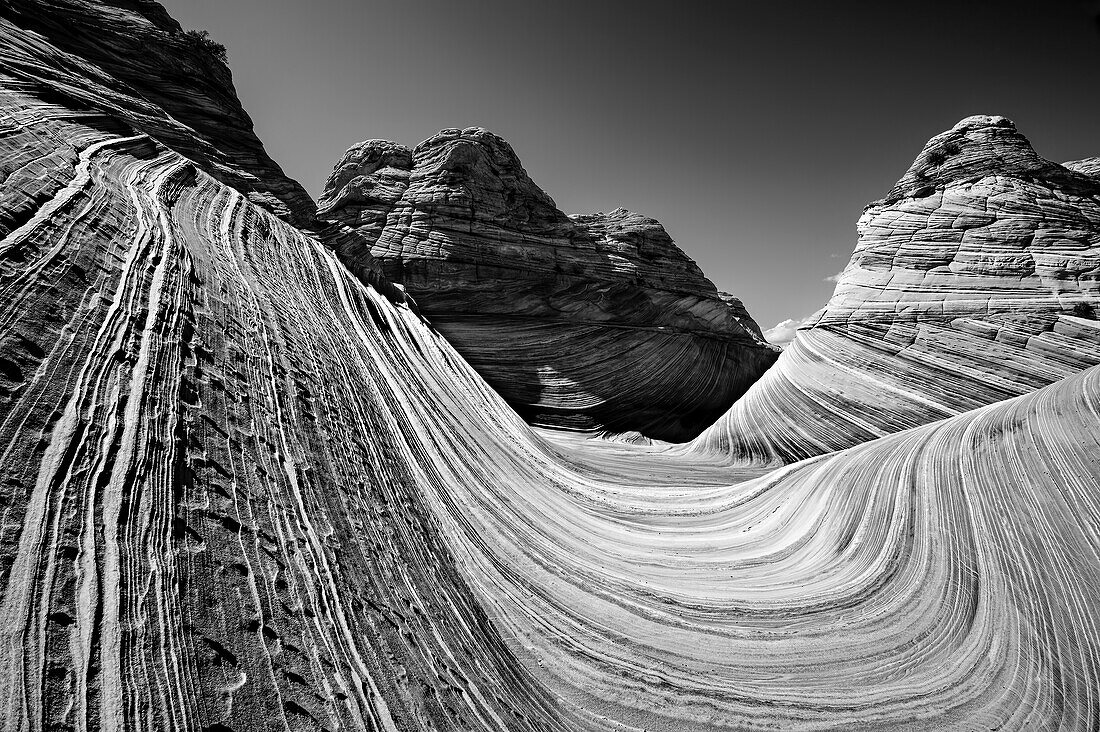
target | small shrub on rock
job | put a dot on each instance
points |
(1084, 310)
(201, 40)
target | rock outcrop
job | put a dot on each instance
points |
(241, 490)
(128, 64)
(593, 322)
(975, 280)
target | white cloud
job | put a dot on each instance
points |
(782, 333)
(835, 277)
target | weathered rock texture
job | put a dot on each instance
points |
(976, 279)
(211, 513)
(128, 64)
(587, 322)
(240, 490)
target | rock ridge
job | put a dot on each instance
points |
(976, 147)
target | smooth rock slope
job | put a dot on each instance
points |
(976, 279)
(943, 578)
(594, 322)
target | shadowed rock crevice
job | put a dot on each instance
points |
(589, 322)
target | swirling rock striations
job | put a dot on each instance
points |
(241, 490)
(976, 279)
(943, 578)
(244, 491)
(594, 322)
(212, 518)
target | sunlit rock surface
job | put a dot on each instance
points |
(593, 322)
(242, 490)
(976, 279)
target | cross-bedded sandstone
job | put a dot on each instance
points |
(591, 322)
(976, 279)
(241, 489)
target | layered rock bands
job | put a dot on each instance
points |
(594, 322)
(976, 279)
(242, 490)
(127, 64)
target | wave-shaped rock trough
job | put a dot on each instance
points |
(242, 490)
(941, 578)
(975, 280)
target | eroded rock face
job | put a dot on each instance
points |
(1087, 166)
(975, 280)
(130, 65)
(241, 490)
(596, 321)
(366, 184)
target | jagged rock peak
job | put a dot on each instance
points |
(473, 173)
(478, 143)
(477, 167)
(366, 167)
(365, 185)
(644, 236)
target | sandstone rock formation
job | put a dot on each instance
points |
(211, 514)
(241, 490)
(941, 578)
(128, 64)
(976, 279)
(594, 322)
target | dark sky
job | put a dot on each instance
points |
(755, 131)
